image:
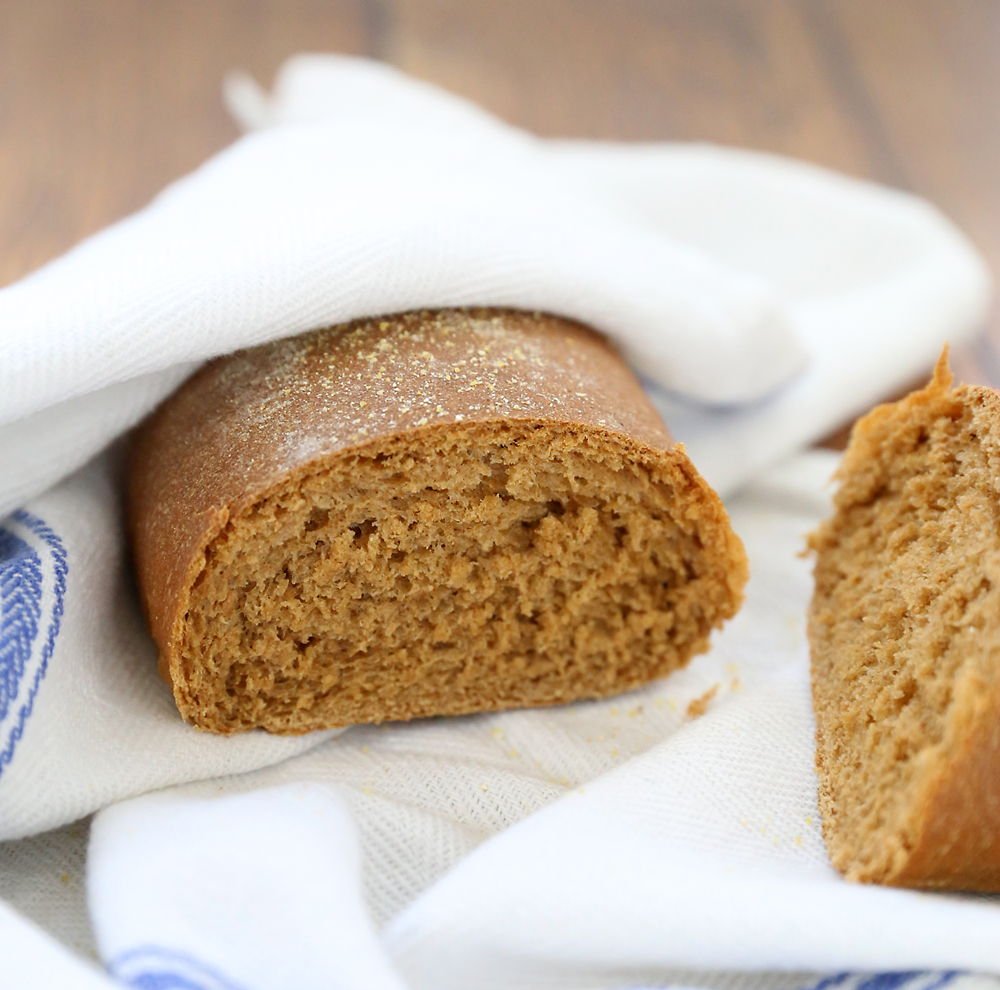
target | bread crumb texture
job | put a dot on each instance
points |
(904, 630)
(698, 706)
(434, 513)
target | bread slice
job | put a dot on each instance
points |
(904, 630)
(433, 513)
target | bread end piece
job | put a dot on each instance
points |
(428, 514)
(904, 630)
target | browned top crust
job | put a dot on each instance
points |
(247, 422)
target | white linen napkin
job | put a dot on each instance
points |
(870, 280)
(33, 960)
(266, 885)
(614, 843)
(777, 298)
(372, 192)
(721, 273)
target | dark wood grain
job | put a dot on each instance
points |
(738, 73)
(103, 102)
(931, 70)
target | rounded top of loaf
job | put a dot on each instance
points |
(295, 399)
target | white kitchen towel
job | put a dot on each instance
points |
(722, 274)
(668, 847)
(370, 192)
(30, 959)
(275, 875)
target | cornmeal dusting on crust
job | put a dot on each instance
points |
(434, 513)
(904, 630)
(386, 375)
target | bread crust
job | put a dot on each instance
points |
(956, 843)
(266, 419)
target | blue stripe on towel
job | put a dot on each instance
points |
(33, 569)
(150, 967)
(832, 981)
(902, 980)
(889, 981)
(908, 980)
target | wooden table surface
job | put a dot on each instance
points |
(102, 102)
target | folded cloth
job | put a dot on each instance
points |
(721, 273)
(871, 281)
(293, 846)
(33, 960)
(718, 271)
(669, 847)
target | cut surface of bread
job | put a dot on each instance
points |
(904, 631)
(322, 543)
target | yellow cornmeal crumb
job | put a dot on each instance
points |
(699, 706)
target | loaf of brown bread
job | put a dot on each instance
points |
(433, 513)
(905, 636)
